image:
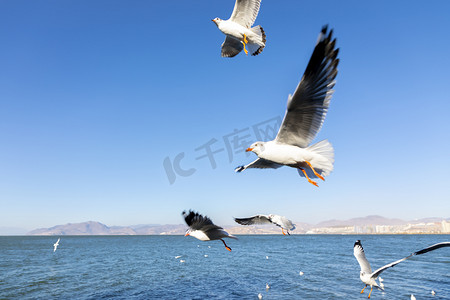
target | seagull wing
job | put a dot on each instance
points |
(231, 47)
(432, 247)
(258, 219)
(198, 222)
(358, 251)
(259, 163)
(307, 108)
(245, 12)
(283, 222)
(428, 249)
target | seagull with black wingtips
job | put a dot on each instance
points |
(280, 221)
(239, 31)
(369, 277)
(304, 117)
(202, 228)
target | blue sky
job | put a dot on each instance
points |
(96, 95)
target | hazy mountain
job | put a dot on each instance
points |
(85, 228)
(96, 228)
(369, 220)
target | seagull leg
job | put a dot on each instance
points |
(371, 287)
(283, 231)
(309, 180)
(317, 174)
(245, 42)
(228, 248)
(363, 289)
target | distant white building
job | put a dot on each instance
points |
(445, 226)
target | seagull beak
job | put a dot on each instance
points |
(213, 20)
(248, 149)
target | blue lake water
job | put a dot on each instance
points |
(144, 267)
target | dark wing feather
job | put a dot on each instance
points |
(428, 249)
(307, 108)
(431, 248)
(258, 219)
(259, 163)
(198, 222)
(231, 47)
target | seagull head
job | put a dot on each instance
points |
(256, 148)
(217, 21)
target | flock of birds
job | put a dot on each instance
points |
(202, 228)
(304, 117)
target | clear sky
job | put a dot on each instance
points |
(103, 102)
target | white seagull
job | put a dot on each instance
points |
(55, 245)
(280, 221)
(369, 277)
(239, 31)
(202, 228)
(305, 114)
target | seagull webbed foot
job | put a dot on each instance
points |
(309, 179)
(363, 289)
(315, 173)
(245, 42)
(226, 247)
(371, 288)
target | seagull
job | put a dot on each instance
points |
(239, 31)
(301, 273)
(433, 293)
(204, 229)
(305, 114)
(55, 245)
(369, 277)
(267, 286)
(260, 296)
(413, 297)
(280, 221)
(177, 257)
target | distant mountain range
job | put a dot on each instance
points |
(97, 228)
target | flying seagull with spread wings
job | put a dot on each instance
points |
(202, 228)
(239, 31)
(305, 114)
(55, 245)
(368, 277)
(280, 221)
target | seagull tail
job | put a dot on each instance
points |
(256, 47)
(323, 162)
